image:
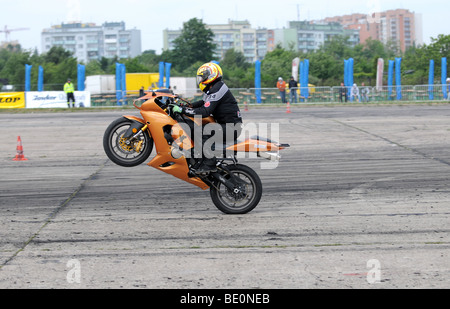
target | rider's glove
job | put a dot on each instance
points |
(177, 109)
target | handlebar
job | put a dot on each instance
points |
(184, 101)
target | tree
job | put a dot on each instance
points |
(326, 69)
(439, 47)
(194, 44)
(149, 60)
(94, 68)
(234, 58)
(13, 68)
(338, 47)
(277, 63)
(134, 66)
(57, 55)
(237, 71)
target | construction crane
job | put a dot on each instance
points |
(8, 31)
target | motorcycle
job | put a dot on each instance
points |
(129, 141)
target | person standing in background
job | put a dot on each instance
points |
(342, 93)
(69, 89)
(281, 85)
(293, 86)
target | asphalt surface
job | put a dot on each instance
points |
(360, 200)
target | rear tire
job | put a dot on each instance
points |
(248, 197)
(126, 152)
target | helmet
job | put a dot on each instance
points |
(207, 74)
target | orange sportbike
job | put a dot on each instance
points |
(129, 141)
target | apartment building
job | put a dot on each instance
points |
(308, 36)
(255, 43)
(399, 26)
(87, 41)
(237, 35)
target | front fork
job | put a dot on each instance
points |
(232, 183)
(132, 133)
(144, 128)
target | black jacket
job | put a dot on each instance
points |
(219, 102)
(293, 84)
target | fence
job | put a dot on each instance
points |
(418, 93)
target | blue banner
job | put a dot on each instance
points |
(302, 69)
(304, 78)
(444, 77)
(398, 77)
(258, 81)
(41, 79)
(348, 76)
(119, 93)
(345, 73)
(81, 77)
(168, 66)
(431, 80)
(123, 80)
(28, 77)
(161, 75)
(390, 78)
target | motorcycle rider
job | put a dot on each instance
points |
(219, 102)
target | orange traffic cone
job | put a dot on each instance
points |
(19, 155)
(246, 106)
(288, 108)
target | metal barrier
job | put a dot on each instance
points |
(365, 94)
(407, 93)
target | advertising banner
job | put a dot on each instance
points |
(390, 78)
(12, 100)
(258, 81)
(398, 77)
(444, 76)
(121, 82)
(304, 78)
(380, 72)
(295, 69)
(56, 99)
(431, 80)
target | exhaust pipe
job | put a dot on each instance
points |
(269, 156)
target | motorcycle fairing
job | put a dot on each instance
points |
(164, 161)
(137, 125)
(257, 144)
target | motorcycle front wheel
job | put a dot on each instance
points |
(127, 152)
(246, 193)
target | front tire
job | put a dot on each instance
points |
(242, 200)
(126, 152)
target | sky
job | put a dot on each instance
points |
(152, 17)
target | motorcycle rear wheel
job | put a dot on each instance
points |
(126, 152)
(245, 198)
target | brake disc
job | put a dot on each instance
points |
(125, 144)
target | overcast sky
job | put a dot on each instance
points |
(152, 17)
